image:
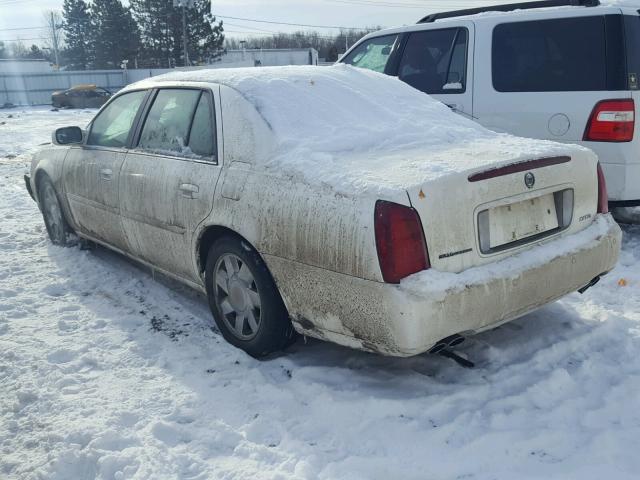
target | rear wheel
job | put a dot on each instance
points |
(59, 231)
(244, 299)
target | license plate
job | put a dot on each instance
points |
(520, 220)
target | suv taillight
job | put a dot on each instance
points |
(402, 249)
(603, 197)
(611, 121)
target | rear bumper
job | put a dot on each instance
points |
(623, 182)
(408, 319)
(27, 182)
(437, 304)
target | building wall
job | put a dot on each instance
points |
(271, 58)
(8, 66)
(35, 88)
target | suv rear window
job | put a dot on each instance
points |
(559, 55)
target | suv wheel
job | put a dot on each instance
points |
(244, 299)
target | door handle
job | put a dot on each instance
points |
(106, 174)
(188, 190)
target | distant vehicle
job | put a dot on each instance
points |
(80, 96)
(336, 202)
(568, 72)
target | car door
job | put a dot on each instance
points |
(168, 180)
(439, 62)
(91, 99)
(91, 170)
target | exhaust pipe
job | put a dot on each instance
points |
(590, 284)
(450, 341)
(442, 348)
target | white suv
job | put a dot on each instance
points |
(558, 70)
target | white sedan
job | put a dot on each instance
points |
(334, 202)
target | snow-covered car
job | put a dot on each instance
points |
(336, 202)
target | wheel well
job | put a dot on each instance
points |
(209, 237)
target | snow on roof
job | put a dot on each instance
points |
(358, 129)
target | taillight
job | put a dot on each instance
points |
(611, 121)
(603, 198)
(400, 242)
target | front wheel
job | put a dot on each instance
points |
(60, 233)
(244, 299)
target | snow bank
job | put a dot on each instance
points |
(16, 140)
(360, 130)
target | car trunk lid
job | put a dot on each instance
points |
(478, 216)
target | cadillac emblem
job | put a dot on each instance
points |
(529, 179)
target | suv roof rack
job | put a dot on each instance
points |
(509, 8)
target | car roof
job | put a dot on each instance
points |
(606, 7)
(350, 127)
(84, 87)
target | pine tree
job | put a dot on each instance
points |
(35, 52)
(153, 17)
(79, 51)
(116, 34)
(161, 32)
(205, 36)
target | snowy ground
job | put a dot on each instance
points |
(108, 374)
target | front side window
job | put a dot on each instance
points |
(435, 61)
(180, 122)
(558, 55)
(372, 54)
(112, 126)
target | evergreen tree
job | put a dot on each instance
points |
(205, 36)
(35, 52)
(79, 51)
(116, 34)
(161, 32)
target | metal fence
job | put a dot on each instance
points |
(36, 88)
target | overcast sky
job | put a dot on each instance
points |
(16, 14)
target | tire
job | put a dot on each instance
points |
(60, 233)
(246, 305)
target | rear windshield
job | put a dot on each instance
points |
(632, 36)
(559, 55)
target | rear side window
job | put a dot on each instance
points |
(112, 125)
(202, 135)
(180, 122)
(559, 55)
(632, 37)
(435, 61)
(372, 54)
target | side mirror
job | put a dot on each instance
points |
(67, 136)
